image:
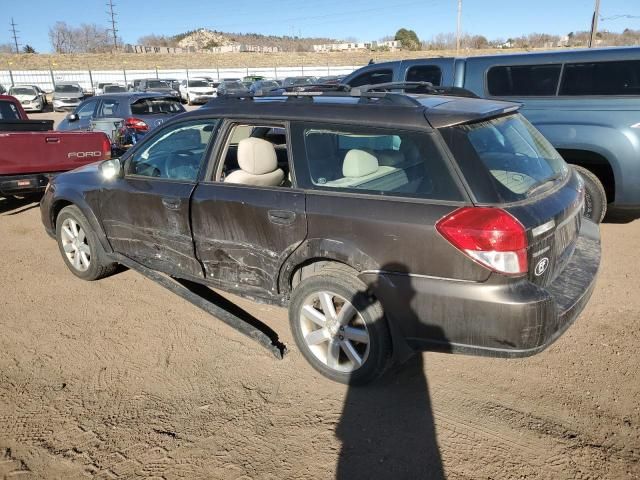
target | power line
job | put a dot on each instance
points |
(15, 35)
(113, 28)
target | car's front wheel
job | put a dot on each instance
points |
(339, 327)
(80, 247)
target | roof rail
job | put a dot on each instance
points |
(420, 87)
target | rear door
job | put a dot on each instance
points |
(244, 233)
(146, 214)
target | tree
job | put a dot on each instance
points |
(6, 48)
(28, 49)
(87, 38)
(408, 39)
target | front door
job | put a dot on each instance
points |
(243, 229)
(146, 214)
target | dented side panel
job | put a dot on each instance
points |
(243, 234)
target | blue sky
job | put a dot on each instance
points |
(361, 19)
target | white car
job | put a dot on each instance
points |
(30, 97)
(197, 90)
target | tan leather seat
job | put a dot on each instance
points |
(360, 167)
(258, 164)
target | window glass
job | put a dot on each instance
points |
(601, 78)
(176, 153)
(86, 110)
(380, 161)
(108, 108)
(8, 111)
(372, 77)
(523, 80)
(424, 73)
(516, 158)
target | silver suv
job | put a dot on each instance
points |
(67, 96)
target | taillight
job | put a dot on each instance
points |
(490, 236)
(136, 124)
(106, 147)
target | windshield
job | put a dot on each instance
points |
(114, 89)
(198, 83)
(266, 85)
(157, 84)
(516, 158)
(154, 106)
(22, 91)
(233, 85)
(68, 89)
(298, 81)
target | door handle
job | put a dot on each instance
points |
(171, 203)
(52, 139)
(282, 217)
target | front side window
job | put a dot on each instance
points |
(424, 73)
(601, 78)
(504, 159)
(377, 161)
(373, 77)
(523, 80)
(176, 153)
(86, 110)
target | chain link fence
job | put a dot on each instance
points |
(47, 79)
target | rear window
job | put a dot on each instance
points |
(504, 159)
(373, 77)
(424, 73)
(375, 161)
(601, 78)
(153, 106)
(157, 84)
(523, 80)
(8, 111)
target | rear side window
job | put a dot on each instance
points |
(424, 73)
(108, 108)
(8, 111)
(504, 159)
(523, 80)
(152, 106)
(376, 161)
(601, 78)
(373, 77)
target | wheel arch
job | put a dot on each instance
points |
(63, 201)
(596, 163)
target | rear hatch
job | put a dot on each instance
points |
(507, 163)
(154, 111)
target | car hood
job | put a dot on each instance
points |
(68, 95)
(22, 98)
(201, 89)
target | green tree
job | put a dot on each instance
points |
(408, 39)
(28, 49)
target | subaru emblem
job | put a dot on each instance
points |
(541, 266)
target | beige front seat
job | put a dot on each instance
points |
(258, 164)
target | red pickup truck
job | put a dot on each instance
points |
(31, 152)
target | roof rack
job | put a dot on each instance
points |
(419, 87)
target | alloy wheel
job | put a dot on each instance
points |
(75, 245)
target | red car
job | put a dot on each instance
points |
(31, 153)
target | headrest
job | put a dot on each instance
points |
(358, 163)
(256, 156)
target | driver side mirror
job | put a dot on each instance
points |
(73, 117)
(110, 169)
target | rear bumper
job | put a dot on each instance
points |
(24, 184)
(498, 318)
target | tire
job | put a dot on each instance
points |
(189, 100)
(77, 240)
(595, 198)
(333, 349)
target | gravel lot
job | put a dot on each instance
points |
(120, 378)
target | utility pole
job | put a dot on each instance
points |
(113, 28)
(15, 35)
(458, 28)
(594, 23)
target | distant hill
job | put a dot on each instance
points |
(205, 38)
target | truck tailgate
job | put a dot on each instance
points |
(40, 152)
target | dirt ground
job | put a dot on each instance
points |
(122, 379)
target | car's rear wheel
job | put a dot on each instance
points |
(80, 247)
(595, 197)
(339, 327)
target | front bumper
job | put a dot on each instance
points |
(500, 318)
(59, 105)
(32, 107)
(24, 184)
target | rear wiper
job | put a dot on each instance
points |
(549, 182)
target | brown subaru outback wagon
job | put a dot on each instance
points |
(388, 223)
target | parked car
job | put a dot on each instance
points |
(397, 223)
(113, 88)
(586, 102)
(231, 87)
(133, 86)
(67, 96)
(298, 81)
(31, 154)
(142, 112)
(31, 97)
(252, 79)
(331, 79)
(197, 90)
(265, 86)
(174, 83)
(159, 86)
(98, 87)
